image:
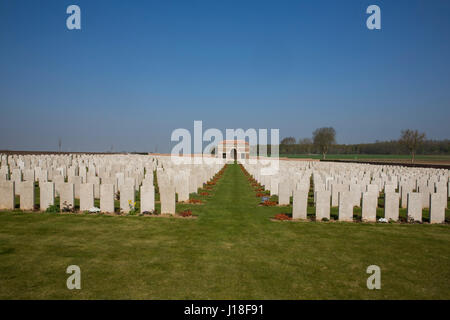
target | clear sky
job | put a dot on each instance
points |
(137, 70)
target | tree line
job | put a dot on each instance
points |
(323, 141)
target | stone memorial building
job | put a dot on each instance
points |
(233, 150)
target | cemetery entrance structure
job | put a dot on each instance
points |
(232, 150)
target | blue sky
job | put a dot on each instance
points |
(137, 70)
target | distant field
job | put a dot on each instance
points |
(367, 156)
(387, 157)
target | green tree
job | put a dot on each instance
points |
(288, 140)
(323, 138)
(305, 145)
(288, 145)
(412, 139)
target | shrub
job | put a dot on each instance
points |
(52, 209)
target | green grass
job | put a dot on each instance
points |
(232, 251)
(369, 157)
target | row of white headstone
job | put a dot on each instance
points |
(345, 186)
(90, 177)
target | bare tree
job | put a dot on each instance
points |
(412, 139)
(323, 138)
(59, 144)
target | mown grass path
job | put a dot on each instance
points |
(232, 251)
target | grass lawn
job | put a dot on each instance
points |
(232, 251)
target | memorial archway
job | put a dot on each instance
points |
(233, 154)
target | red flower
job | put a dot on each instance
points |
(186, 213)
(282, 216)
(269, 203)
(259, 194)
